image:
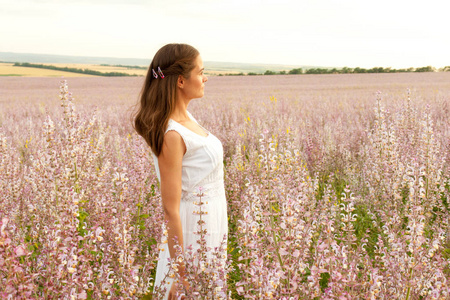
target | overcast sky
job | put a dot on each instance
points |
(387, 33)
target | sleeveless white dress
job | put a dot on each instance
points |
(202, 167)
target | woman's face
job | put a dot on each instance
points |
(194, 86)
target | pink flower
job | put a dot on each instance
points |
(20, 251)
(82, 295)
(2, 229)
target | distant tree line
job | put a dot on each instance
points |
(73, 70)
(236, 74)
(344, 70)
(125, 66)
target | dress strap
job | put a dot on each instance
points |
(191, 117)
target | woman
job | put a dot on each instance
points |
(187, 157)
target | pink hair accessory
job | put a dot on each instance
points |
(154, 73)
(160, 72)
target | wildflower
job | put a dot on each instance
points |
(19, 251)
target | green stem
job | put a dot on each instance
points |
(276, 243)
(409, 287)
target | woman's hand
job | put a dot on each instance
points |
(173, 290)
(186, 285)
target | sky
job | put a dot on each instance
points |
(328, 33)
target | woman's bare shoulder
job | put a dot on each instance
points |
(173, 143)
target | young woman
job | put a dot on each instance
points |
(187, 156)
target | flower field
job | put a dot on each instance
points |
(338, 187)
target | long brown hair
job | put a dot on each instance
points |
(159, 95)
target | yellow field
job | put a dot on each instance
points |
(104, 69)
(7, 69)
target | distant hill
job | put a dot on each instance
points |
(211, 66)
(51, 58)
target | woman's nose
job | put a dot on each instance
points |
(205, 79)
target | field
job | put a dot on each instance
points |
(8, 69)
(104, 69)
(338, 187)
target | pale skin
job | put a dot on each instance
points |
(173, 150)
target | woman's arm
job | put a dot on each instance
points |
(170, 164)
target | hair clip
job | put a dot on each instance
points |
(160, 72)
(154, 73)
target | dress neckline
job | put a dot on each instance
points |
(203, 136)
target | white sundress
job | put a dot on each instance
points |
(202, 166)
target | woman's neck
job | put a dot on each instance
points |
(180, 114)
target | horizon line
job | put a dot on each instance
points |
(213, 61)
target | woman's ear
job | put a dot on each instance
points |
(180, 82)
